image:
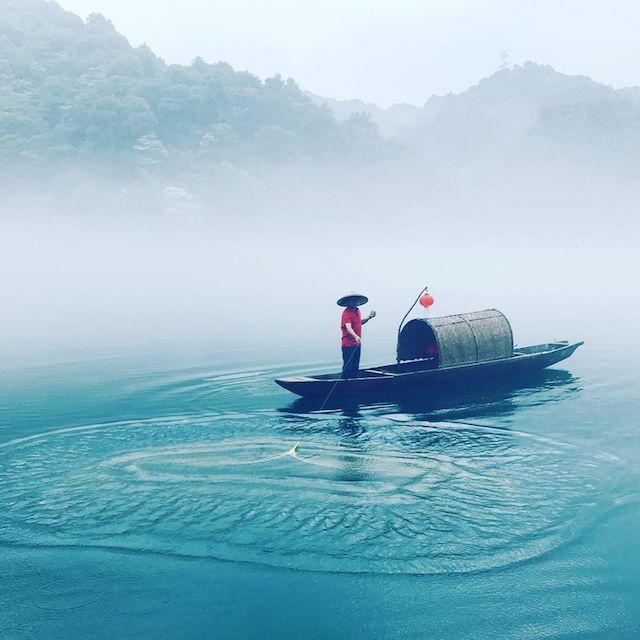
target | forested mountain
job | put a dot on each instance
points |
(76, 90)
(392, 122)
(530, 112)
(77, 99)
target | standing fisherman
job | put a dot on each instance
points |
(351, 326)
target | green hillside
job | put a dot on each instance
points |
(75, 90)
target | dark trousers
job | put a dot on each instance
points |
(350, 362)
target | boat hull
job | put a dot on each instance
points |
(393, 379)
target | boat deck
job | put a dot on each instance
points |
(429, 364)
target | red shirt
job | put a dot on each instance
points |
(351, 316)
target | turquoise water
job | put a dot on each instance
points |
(185, 495)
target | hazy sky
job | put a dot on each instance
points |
(386, 50)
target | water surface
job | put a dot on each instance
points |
(188, 496)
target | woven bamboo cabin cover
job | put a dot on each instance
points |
(461, 339)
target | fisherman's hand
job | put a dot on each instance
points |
(358, 339)
(372, 314)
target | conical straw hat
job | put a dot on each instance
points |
(353, 298)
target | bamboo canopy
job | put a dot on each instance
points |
(464, 338)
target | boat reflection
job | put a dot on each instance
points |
(455, 425)
(490, 398)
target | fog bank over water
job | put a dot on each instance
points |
(147, 203)
(556, 263)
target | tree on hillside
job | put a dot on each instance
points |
(76, 87)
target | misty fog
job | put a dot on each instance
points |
(562, 266)
(152, 204)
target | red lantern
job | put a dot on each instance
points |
(426, 300)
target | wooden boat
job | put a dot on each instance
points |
(440, 352)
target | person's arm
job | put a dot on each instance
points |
(351, 332)
(371, 315)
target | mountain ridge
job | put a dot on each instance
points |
(76, 92)
(77, 88)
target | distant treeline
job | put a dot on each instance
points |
(76, 90)
(76, 96)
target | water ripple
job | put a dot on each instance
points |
(407, 497)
